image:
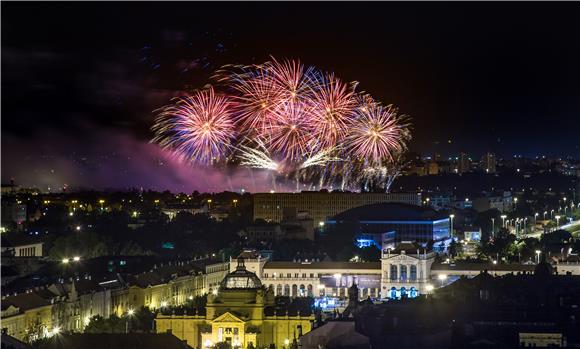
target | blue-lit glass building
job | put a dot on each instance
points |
(392, 223)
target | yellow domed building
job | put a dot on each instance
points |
(243, 314)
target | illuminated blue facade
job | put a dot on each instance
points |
(374, 233)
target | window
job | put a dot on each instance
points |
(393, 272)
(303, 275)
(266, 275)
(311, 275)
(403, 272)
(295, 275)
(413, 272)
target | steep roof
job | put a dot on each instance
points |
(25, 301)
(389, 211)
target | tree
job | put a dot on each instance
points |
(35, 332)
(369, 254)
(143, 320)
(98, 324)
(556, 238)
(455, 249)
(500, 246)
(527, 248)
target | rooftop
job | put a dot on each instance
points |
(389, 212)
(323, 265)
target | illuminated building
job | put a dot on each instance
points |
(242, 313)
(406, 271)
(319, 205)
(488, 163)
(463, 163)
(393, 223)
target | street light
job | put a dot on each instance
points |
(538, 252)
(130, 314)
(101, 201)
(552, 214)
(492, 227)
(557, 221)
(429, 288)
(503, 217)
(536, 218)
(545, 212)
(452, 216)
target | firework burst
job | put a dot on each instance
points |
(332, 111)
(199, 127)
(291, 119)
(376, 134)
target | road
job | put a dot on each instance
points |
(573, 228)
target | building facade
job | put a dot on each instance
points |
(319, 205)
(242, 313)
(406, 271)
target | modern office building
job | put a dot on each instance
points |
(393, 223)
(322, 205)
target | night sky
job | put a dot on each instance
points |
(80, 81)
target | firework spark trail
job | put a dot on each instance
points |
(257, 157)
(199, 127)
(320, 158)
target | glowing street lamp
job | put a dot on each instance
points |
(558, 221)
(545, 212)
(235, 201)
(503, 217)
(451, 216)
(130, 314)
(65, 261)
(101, 201)
(538, 252)
(492, 227)
(552, 214)
(55, 331)
(536, 218)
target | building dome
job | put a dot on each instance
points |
(240, 279)
(388, 211)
